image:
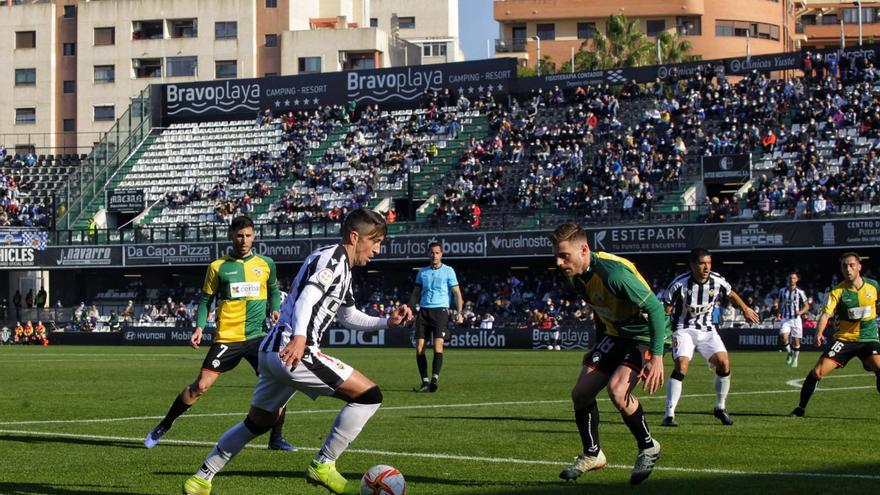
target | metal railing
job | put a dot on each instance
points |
(107, 157)
(504, 45)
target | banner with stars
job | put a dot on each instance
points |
(393, 88)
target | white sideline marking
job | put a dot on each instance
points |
(196, 443)
(400, 408)
(799, 382)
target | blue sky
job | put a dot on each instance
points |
(476, 24)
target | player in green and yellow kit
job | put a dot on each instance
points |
(631, 327)
(853, 304)
(245, 286)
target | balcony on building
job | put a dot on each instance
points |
(510, 45)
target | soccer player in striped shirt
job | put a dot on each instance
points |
(291, 359)
(689, 300)
(853, 304)
(245, 285)
(793, 303)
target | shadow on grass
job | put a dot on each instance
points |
(71, 441)
(844, 479)
(747, 414)
(44, 489)
(526, 419)
(830, 482)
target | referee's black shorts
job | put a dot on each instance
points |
(432, 324)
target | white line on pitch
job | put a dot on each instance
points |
(800, 381)
(451, 457)
(396, 408)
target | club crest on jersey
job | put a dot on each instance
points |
(257, 271)
(325, 277)
(712, 293)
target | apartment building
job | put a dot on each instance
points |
(821, 23)
(715, 28)
(74, 65)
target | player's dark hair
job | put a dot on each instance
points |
(240, 222)
(851, 254)
(697, 253)
(433, 245)
(571, 232)
(365, 222)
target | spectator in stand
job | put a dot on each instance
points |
(29, 299)
(487, 321)
(42, 297)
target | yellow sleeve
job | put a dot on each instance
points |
(833, 299)
(212, 281)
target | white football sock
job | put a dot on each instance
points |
(227, 447)
(722, 387)
(673, 393)
(348, 425)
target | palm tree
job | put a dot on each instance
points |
(624, 45)
(673, 49)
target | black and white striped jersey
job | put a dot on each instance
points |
(328, 270)
(791, 302)
(692, 303)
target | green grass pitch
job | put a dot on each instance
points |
(72, 422)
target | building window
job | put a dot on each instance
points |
(309, 65)
(723, 28)
(271, 40)
(69, 125)
(105, 74)
(851, 16)
(586, 30)
(183, 28)
(226, 30)
(747, 28)
(374, 22)
(689, 25)
(105, 112)
(655, 27)
(146, 67)
(830, 20)
(69, 49)
(147, 30)
(546, 31)
(271, 4)
(26, 116)
(181, 66)
(225, 69)
(25, 77)
(25, 39)
(434, 50)
(105, 36)
(69, 11)
(69, 87)
(406, 22)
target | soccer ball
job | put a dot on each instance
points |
(383, 480)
